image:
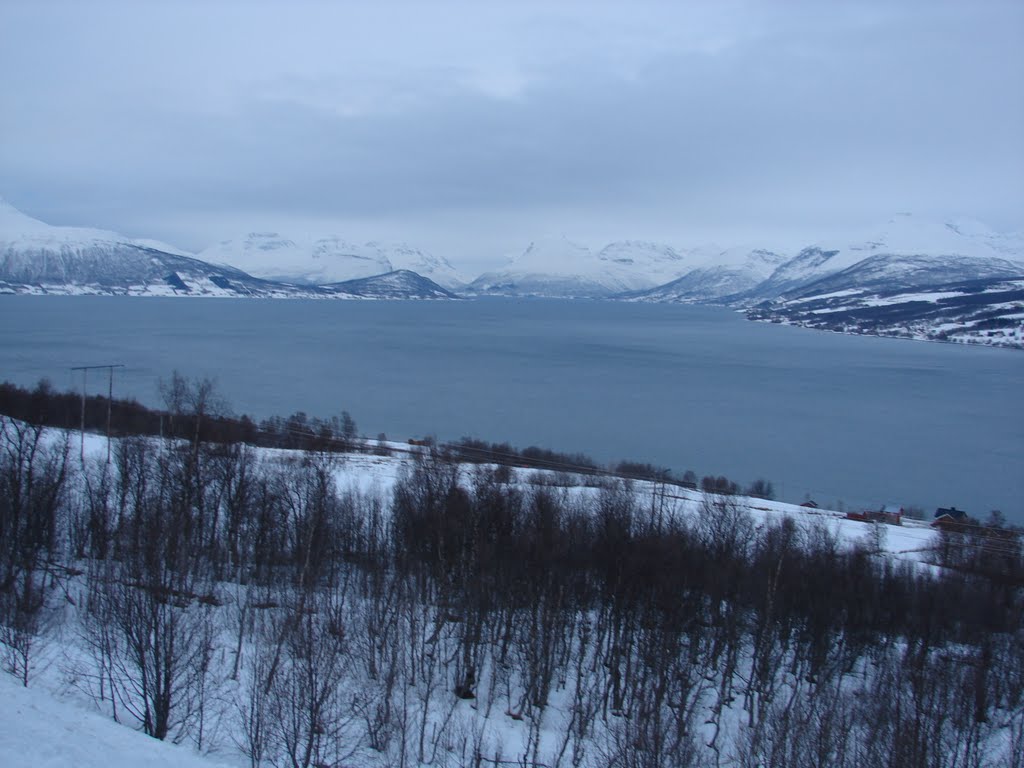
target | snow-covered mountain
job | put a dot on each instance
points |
(558, 267)
(640, 263)
(908, 252)
(948, 281)
(1010, 244)
(405, 257)
(400, 284)
(893, 272)
(725, 273)
(317, 261)
(44, 258)
(33, 251)
(37, 258)
(951, 280)
(906, 249)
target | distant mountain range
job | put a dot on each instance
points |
(725, 274)
(952, 280)
(912, 251)
(560, 268)
(37, 258)
(908, 252)
(916, 278)
(315, 261)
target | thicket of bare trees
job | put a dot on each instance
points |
(208, 594)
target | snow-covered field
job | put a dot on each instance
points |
(62, 719)
(367, 473)
(911, 541)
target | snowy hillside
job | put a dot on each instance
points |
(316, 261)
(988, 311)
(417, 611)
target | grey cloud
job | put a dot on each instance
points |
(780, 119)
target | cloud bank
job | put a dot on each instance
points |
(472, 128)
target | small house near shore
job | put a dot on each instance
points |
(949, 518)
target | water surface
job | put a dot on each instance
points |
(857, 419)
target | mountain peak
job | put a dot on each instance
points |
(8, 211)
(14, 223)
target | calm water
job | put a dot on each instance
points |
(861, 420)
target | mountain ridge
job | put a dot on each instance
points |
(38, 258)
(329, 259)
(910, 257)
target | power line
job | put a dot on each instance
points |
(110, 398)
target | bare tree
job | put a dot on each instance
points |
(33, 474)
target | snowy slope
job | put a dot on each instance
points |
(19, 231)
(38, 730)
(315, 261)
(366, 472)
(1010, 244)
(987, 310)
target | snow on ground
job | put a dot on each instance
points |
(56, 724)
(821, 296)
(902, 298)
(367, 473)
(40, 730)
(911, 541)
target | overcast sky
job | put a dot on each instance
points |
(471, 128)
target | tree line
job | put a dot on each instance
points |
(207, 417)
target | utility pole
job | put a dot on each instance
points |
(110, 399)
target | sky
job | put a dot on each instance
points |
(470, 129)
